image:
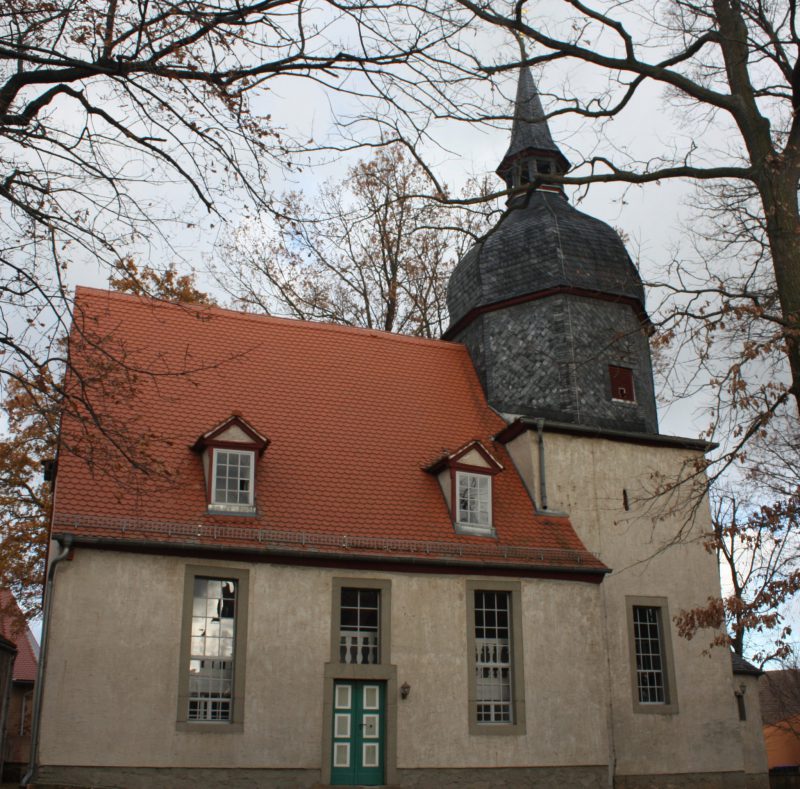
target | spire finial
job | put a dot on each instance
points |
(530, 134)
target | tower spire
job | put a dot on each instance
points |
(530, 137)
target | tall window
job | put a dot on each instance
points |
(213, 646)
(211, 657)
(493, 666)
(233, 479)
(495, 655)
(652, 674)
(359, 625)
(650, 679)
(474, 493)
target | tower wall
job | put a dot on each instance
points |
(550, 358)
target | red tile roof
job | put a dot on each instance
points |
(353, 417)
(14, 628)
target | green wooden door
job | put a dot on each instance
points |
(359, 733)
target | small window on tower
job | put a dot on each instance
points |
(622, 383)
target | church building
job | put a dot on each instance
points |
(291, 554)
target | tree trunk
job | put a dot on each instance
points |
(779, 196)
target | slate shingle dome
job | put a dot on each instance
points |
(549, 303)
(542, 243)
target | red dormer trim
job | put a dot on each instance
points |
(452, 460)
(256, 442)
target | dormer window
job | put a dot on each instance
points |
(233, 479)
(474, 499)
(465, 477)
(230, 454)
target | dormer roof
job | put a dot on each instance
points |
(467, 454)
(234, 430)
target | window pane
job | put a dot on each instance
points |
(368, 597)
(350, 597)
(212, 649)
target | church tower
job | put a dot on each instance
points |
(549, 303)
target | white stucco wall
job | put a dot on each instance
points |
(113, 665)
(655, 549)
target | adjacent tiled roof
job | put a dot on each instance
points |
(742, 666)
(541, 244)
(779, 695)
(353, 416)
(529, 130)
(14, 628)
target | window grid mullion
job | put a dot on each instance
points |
(493, 667)
(212, 649)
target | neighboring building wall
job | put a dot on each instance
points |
(18, 726)
(8, 653)
(753, 750)
(783, 743)
(654, 550)
(115, 705)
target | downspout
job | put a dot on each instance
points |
(66, 545)
(542, 477)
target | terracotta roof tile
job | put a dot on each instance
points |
(352, 416)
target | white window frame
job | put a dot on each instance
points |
(480, 528)
(669, 703)
(211, 689)
(234, 720)
(229, 506)
(516, 664)
(494, 663)
(360, 645)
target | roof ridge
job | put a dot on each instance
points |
(85, 291)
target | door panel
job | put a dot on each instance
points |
(359, 731)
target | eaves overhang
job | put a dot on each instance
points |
(403, 563)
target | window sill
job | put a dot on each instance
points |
(655, 709)
(474, 531)
(496, 729)
(623, 402)
(232, 509)
(209, 727)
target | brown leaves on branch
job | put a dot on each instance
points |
(35, 404)
(25, 498)
(168, 285)
(758, 551)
